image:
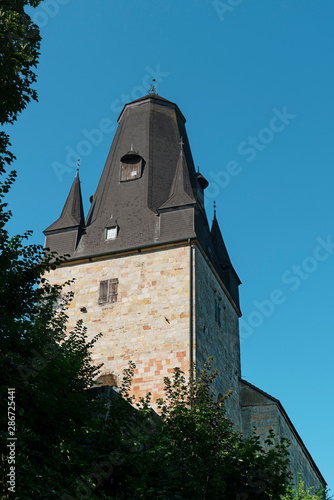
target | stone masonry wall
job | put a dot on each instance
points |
(263, 413)
(218, 340)
(149, 323)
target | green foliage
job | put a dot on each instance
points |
(192, 452)
(57, 425)
(19, 51)
(300, 493)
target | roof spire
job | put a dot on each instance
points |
(72, 215)
(153, 87)
(78, 165)
(214, 209)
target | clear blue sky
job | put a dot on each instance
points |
(255, 81)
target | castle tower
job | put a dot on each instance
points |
(154, 278)
(149, 273)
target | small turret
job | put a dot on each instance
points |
(181, 193)
(63, 235)
(226, 270)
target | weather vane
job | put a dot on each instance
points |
(153, 88)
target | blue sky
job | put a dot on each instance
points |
(255, 82)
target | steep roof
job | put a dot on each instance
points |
(218, 243)
(223, 263)
(150, 127)
(152, 97)
(72, 214)
(149, 192)
(181, 193)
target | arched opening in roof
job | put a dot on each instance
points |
(131, 166)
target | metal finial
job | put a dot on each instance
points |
(153, 88)
(131, 147)
(181, 144)
(78, 165)
(214, 209)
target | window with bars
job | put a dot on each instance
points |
(108, 291)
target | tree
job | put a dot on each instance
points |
(19, 51)
(50, 412)
(300, 493)
(45, 371)
(192, 451)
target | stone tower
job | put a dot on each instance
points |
(153, 276)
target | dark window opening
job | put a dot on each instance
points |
(217, 313)
(108, 291)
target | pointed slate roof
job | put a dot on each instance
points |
(218, 243)
(181, 192)
(151, 127)
(73, 214)
(153, 97)
(144, 184)
(223, 263)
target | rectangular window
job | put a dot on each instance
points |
(111, 233)
(108, 291)
(217, 313)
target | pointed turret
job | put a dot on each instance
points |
(218, 243)
(225, 269)
(62, 235)
(181, 193)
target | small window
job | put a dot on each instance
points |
(217, 313)
(111, 232)
(131, 166)
(108, 291)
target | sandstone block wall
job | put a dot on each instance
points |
(149, 323)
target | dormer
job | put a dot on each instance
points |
(131, 166)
